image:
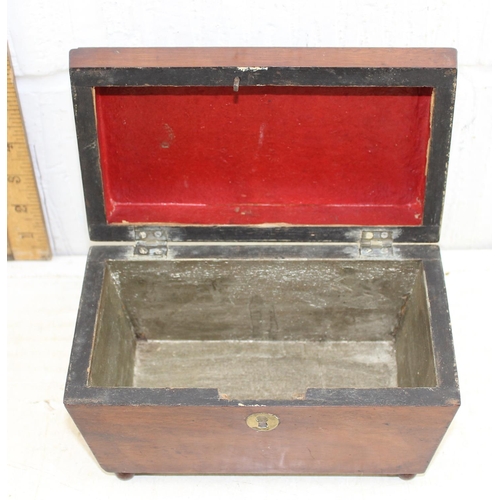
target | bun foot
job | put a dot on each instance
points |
(407, 477)
(124, 476)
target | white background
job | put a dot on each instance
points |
(41, 34)
(47, 457)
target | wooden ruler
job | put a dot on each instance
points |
(26, 233)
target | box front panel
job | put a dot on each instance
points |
(308, 440)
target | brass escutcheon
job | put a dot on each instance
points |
(263, 421)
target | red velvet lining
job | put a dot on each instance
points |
(294, 155)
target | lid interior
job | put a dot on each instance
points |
(264, 155)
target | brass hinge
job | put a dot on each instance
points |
(376, 243)
(151, 241)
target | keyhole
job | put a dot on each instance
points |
(262, 422)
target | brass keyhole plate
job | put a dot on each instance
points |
(263, 421)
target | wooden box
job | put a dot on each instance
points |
(277, 302)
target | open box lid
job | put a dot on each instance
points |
(255, 144)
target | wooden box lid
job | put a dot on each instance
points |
(264, 144)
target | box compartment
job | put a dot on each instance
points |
(263, 329)
(142, 410)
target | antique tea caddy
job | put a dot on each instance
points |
(277, 304)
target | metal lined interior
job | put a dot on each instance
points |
(263, 329)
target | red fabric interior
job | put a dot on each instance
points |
(292, 155)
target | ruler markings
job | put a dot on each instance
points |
(26, 232)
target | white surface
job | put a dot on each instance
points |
(41, 34)
(47, 458)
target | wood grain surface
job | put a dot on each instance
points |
(251, 57)
(314, 440)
